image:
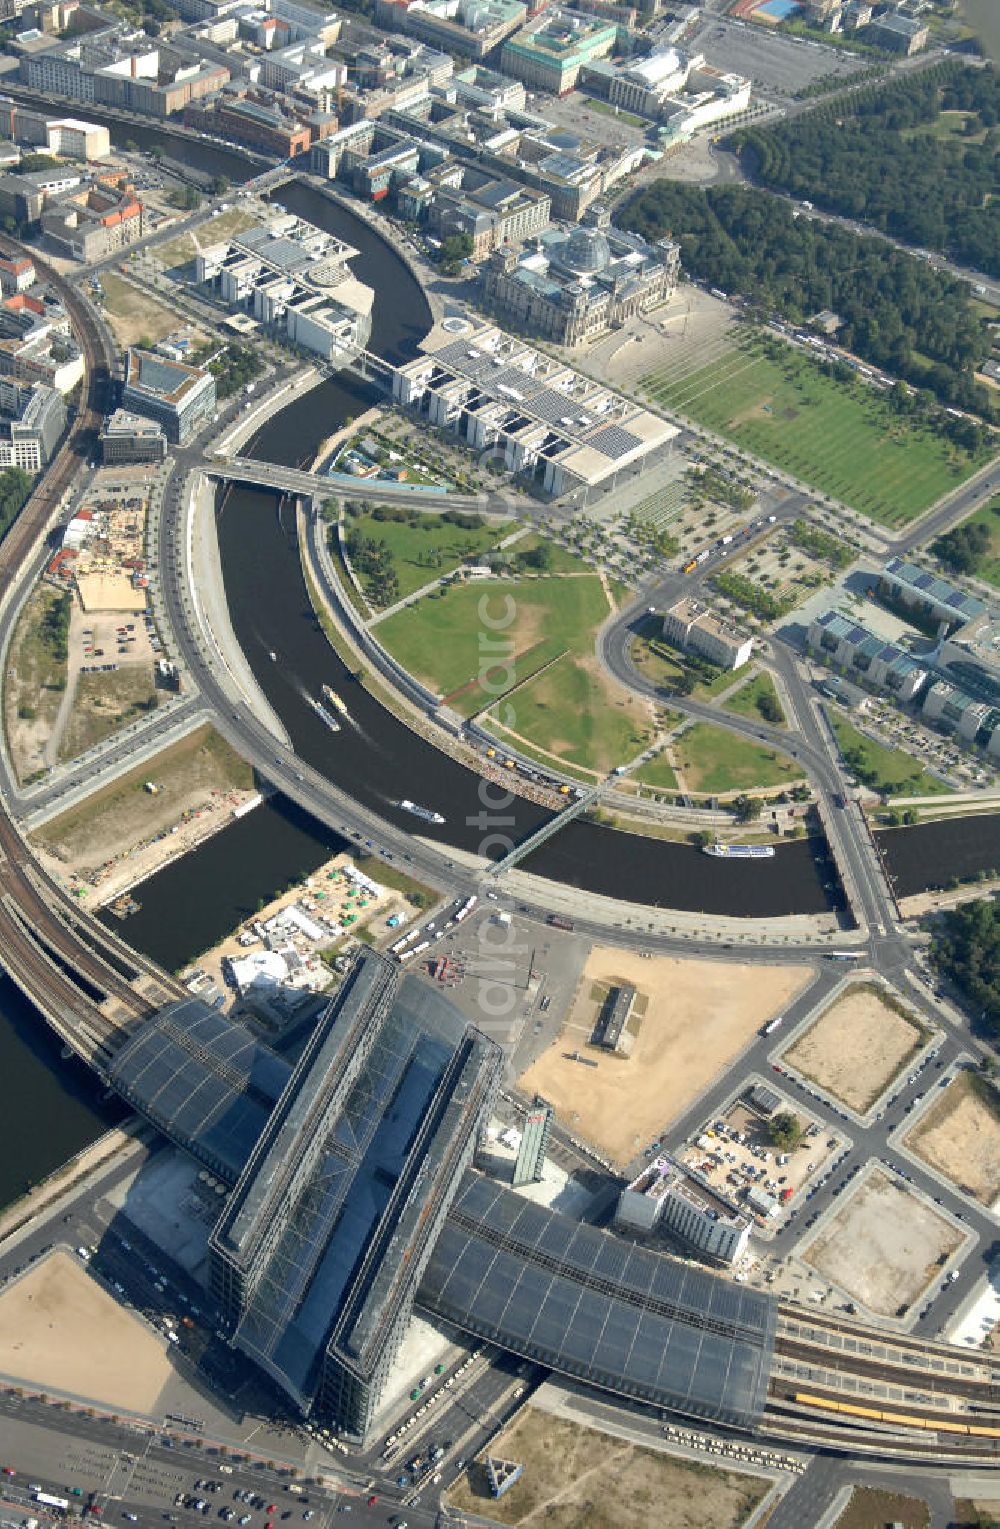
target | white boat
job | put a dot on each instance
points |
(324, 715)
(740, 851)
(421, 812)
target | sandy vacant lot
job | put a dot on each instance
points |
(59, 1329)
(883, 1246)
(856, 1047)
(577, 1478)
(960, 1136)
(699, 1017)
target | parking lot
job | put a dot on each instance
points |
(734, 1153)
(776, 65)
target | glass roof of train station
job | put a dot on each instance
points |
(588, 1303)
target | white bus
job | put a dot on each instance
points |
(48, 1501)
(845, 955)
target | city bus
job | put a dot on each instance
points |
(845, 955)
(48, 1501)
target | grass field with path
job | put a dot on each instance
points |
(491, 644)
(657, 772)
(428, 549)
(842, 438)
(713, 759)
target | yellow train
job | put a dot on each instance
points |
(901, 1419)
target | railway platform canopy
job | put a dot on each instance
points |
(203, 1080)
(586, 1303)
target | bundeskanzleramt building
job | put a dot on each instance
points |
(316, 1259)
(688, 624)
(572, 284)
(180, 398)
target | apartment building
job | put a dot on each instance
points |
(36, 342)
(16, 276)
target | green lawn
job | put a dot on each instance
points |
(891, 771)
(744, 702)
(476, 641)
(573, 713)
(479, 643)
(841, 438)
(561, 560)
(658, 772)
(428, 549)
(715, 760)
(989, 515)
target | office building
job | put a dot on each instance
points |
(867, 657)
(489, 210)
(181, 398)
(688, 624)
(897, 33)
(67, 136)
(669, 1195)
(32, 421)
(294, 278)
(927, 595)
(530, 1160)
(550, 51)
(547, 421)
(95, 221)
(316, 1259)
(464, 28)
(571, 284)
(127, 438)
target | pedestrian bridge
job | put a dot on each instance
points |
(293, 480)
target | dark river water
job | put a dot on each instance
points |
(51, 1107)
(932, 856)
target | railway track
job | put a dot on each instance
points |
(45, 935)
(887, 1357)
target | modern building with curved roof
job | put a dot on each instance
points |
(352, 1198)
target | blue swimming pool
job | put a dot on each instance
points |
(779, 9)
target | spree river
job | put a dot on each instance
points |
(377, 758)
